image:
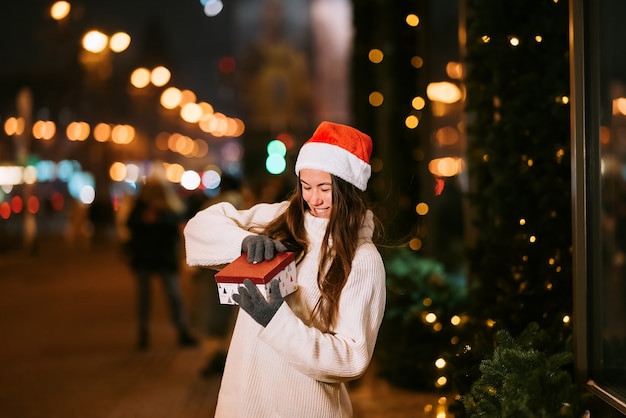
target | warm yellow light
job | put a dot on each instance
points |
(417, 62)
(447, 135)
(522, 221)
(140, 78)
(485, 39)
(95, 41)
(415, 244)
(59, 10)
(376, 98)
(446, 166)
(411, 121)
(207, 109)
(231, 128)
(566, 319)
(77, 131)
(174, 172)
(441, 381)
(208, 123)
(123, 134)
(455, 320)
(427, 302)
(619, 106)
(117, 171)
(102, 132)
(14, 126)
(191, 112)
(412, 20)
(160, 76)
(241, 127)
(538, 39)
(514, 40)
(188, 96)
(532, 239)
(490, 323)
(44, 130)
(430, 317)
(418, 103)
(421, 208)
(171, 141)
(202, 148)
(376, 56)
(171, 97)
(440, 363)
(221, 124)
(183, 145)
(444, 92)
(119, 42)
(454, 70)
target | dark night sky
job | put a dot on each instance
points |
(33, 43)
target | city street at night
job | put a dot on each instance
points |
(449, 177)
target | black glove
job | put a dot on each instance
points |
(253, 302)
(261, 247)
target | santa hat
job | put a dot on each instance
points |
(340, 150)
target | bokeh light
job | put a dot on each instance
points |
(119, 42)
(60, 10)
(95, 41)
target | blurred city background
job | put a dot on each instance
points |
(98, 96)
(94, 95)
(467, 103)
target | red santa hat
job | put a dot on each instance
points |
(340, 150)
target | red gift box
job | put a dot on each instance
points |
(281, 267)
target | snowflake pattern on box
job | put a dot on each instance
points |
(282, 267)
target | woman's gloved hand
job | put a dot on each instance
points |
(253, 302)
(261, 247)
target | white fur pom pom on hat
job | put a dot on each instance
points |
(340, 150)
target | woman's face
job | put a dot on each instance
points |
(317, 191)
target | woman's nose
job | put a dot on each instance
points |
(315, 197)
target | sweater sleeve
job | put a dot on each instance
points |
(213, 236)
(345, 354)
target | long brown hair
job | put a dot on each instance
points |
(338, 247)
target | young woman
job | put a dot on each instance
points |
(291, 357)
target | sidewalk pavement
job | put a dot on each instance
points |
(67, 320)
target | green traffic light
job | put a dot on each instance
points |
(276, 147)
(275, 164)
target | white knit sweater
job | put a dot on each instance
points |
(291, 369)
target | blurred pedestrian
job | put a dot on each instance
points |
(155, 224)
(292, 356)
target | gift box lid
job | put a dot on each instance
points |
(259, 273)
